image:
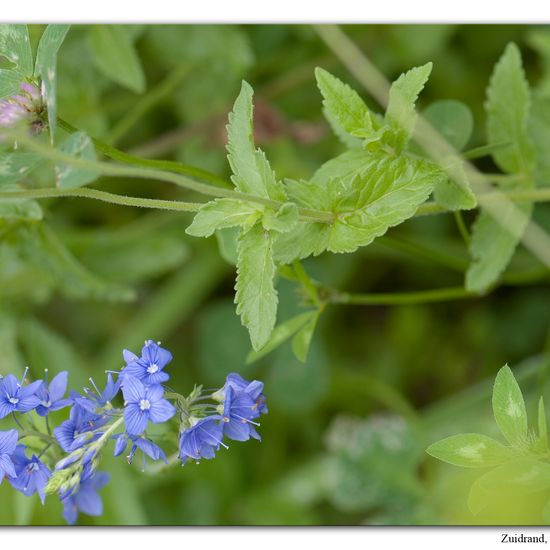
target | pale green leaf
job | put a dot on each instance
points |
(46, 68)
(509, 407)
(80, 146)
(470, 451)
(251, 171)
(454, 192)
(345, 166)
(539, 132)
(507, 106)
(115, 56)
(227, 243)
(283, 220)
(493, 243)
(404, 92)
(302, 339)
(16, 165)
(223, 213)
(453, 120)
(281, 334)
(348, 140)
(15, 46)
(19, 209)
(256, 297)
(344, 105)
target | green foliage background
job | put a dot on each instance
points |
(345, 437)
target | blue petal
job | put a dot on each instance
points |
(64, 433)
(31, 389)
(58, 386)
(121, 444)
(133, 390)
(6, 466)
(150, 449)
(161, 411)
(155, 392)
(27, 403)
(236, 430)
(8, 441)
(89, 502)
(129, 356)
(5, 408)
(135, 419)
(70, 510)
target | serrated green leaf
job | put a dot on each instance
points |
(349, 141)
(283, 220)
(227, 243)
(470, 451)
(80, 146)
(404, 92)
(453, 120)
(454, 192)
(46, 69)
(251, 171)
(539, 132)
(385, 193)
(16, 165)
(15, 46)
(507, 106)
(115, 56)
(344, 105)
(223, 213)
(256, 297)
(306, 239)
(509, 407)
(302, 339)
(281, 334)
(493, 243)
(345, 167)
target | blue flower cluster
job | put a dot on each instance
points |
(65, 461)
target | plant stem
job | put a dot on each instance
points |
(40, 435)
(401, 298)
(459, 219)
(103, 196)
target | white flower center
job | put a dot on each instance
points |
(151, 369)
(32, 467)
(46, 404)
(144, 405)
(13, 400)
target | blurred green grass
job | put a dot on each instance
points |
(368, 367)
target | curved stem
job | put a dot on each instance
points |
(104, 196)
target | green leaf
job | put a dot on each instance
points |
(251, 171)
(385, 193)
(345, 166)
(344, 105)
(256, 297)
(15, 46)
(493, 243)
(16, 165)
(283, 220)
(80, 146)
(302, 339)
(507, 106)
(281, 334)
(115, 56)
(19, 209)
(470, 451)
(539, 132)
(46, 68)
(227, 243)
(453, 120)
(223, 213)
(306, 239)
(404, 91)
(509, 407)
(349, 141)
(454, 192)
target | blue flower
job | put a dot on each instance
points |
(51, 395)
(8, 442)
(143, 404)
(238, 411)
(32, 474)
(146, 446)
(254, 389)
(203, 439)
(148, 367)
(85, 498)
(79, 429)
(17, 398)
(92, 402)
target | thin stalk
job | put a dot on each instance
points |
(401, 298)
(459, 219)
